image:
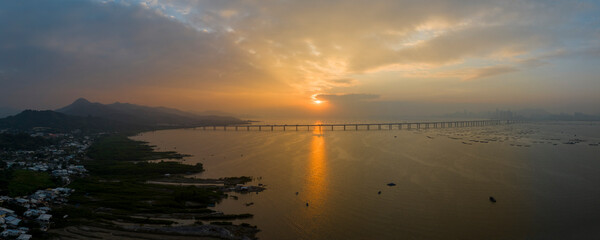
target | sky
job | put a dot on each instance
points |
(303, 58)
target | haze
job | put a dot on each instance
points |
(309, 57)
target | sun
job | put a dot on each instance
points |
(315, 100)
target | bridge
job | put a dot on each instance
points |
(359, 126)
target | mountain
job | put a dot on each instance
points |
(214, 113)
(144, 115)
(31, 119)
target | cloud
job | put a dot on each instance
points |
(59, 48)
(347, 98)
(313, 42)
(488, 72)
(253, 53)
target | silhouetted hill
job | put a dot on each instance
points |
(144, 115)
(31, 119)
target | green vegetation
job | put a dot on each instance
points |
(22, 142)
(121, 148)
(56, 121)
(226, 216)
(221, 223)
(117, 187)
(227, 181)
(134, 197)
(24, 182)
(139, 170)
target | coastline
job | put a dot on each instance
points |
(128, 192)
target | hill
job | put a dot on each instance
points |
(31, 119)
(144, 115)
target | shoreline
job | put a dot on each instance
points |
(128, 191)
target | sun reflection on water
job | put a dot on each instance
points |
(316, 173)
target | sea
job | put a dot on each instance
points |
(323, 184)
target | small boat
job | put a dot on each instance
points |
(391, 184)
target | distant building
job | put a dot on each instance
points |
(6, 212)
(10, 233)
(24, 237)
(12, 221)
(44, 218)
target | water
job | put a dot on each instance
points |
(544, 188)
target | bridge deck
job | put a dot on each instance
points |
(359, 126)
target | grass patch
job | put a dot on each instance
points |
(227, 217)
(130, 197)
(121, 148)
(110, 169)
(22, 182)
(221, 223)
(116, 187)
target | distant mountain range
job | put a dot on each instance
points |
(143, 115)
(41, 120)
(85, 115)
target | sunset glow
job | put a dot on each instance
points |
(300, 119)
(268, 57)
